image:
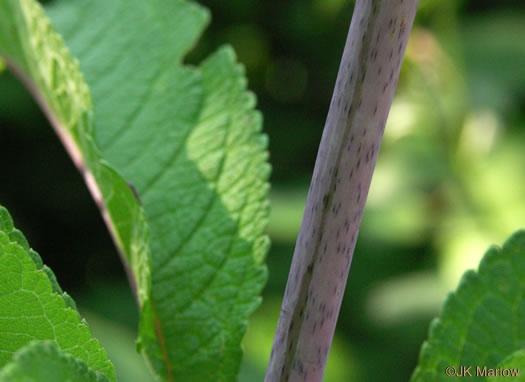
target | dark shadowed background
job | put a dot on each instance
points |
(449, 181)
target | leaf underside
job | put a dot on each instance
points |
(37, 54)
(483, 322)
(188, 139)
(34, 308)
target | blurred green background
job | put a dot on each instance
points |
(449, 181)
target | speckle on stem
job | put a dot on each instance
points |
(350, 143)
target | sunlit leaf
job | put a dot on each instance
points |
(33, 307)
(483, 322)
(43, 361)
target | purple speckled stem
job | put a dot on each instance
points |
(346, 159)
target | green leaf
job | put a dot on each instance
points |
(189, 141)
(34, 308)
(43, 361)
(512, 366)
(483, 322)
(37, 55)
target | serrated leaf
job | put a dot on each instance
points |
(483, 322)
(43, 361)
(189, 141)
(37, 55)
(32, 308)
(511, 367)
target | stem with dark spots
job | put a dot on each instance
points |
(345, 162)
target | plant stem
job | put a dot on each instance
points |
(345, 162)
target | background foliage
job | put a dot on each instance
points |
(447, 184)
